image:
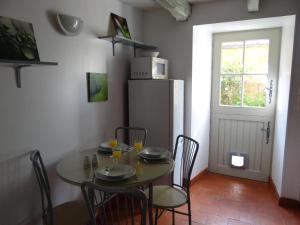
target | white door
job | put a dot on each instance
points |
(244, 83)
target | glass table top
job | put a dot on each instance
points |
(71, 169)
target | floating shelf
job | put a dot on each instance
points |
(19, 64)
(129, 42)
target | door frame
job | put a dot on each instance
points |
(245, 116)
(198, 116)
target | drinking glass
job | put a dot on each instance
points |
(138, 145)
(113, 143)
(139, 168)
(117, 153)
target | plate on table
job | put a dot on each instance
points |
(116, 173)
(106, 148)
(154, 153)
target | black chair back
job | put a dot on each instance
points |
(186, 160)
(129, 134)
(108, 206)
(42, 178)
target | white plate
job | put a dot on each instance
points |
(154, 153)
(152, 159)
(106, 148)
(116, 173)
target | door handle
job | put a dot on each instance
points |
(268, 131)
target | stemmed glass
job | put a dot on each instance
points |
(138, 145)
(117, 153)
(113, 143)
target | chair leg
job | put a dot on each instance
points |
(150, 205)
(173, 217)
(190, 213)
(156, 216)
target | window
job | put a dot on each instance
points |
(244, 73)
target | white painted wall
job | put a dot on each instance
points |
(201, 94)
(175, 43)
(283, 90)
(291, 175)
(50, 112)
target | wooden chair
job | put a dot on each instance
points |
(129, 134)
(69, 213)
(169, 198)
(110, 206)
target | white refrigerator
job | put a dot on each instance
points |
(158, 106)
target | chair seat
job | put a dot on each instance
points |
(165, 196)
(71, 213)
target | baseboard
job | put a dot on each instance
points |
(284, 202)
(274, 189)
(289, 203)
(198, 176)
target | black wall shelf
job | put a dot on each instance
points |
(19, 64)
(129, 42)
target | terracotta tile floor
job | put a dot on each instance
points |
(224, 200)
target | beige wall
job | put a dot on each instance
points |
(50, 112)
(175, 43)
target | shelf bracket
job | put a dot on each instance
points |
(113, 47)
(18, 74)
(113, 42)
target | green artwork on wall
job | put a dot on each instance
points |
(97, 87)
(17, 41)
(120, 25)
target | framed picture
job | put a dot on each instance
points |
(17, 41)
(97, 87)
(120, 25)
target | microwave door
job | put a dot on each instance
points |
(160, 69)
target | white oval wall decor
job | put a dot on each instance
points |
(70, 25)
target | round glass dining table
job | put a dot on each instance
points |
(71, 169)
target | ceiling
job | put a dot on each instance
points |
(146, 4)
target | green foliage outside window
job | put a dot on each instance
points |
(233, 65)
(254, 90)
(231, 90)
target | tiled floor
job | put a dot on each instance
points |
(224, 200)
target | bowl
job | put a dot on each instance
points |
(149, 53)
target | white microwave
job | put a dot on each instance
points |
(149, 68)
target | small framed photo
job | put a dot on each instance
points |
(120, 25)
(97, 87)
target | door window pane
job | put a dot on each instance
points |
(232, 57)
(256, 56)
(255, 90)
(231, 90)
